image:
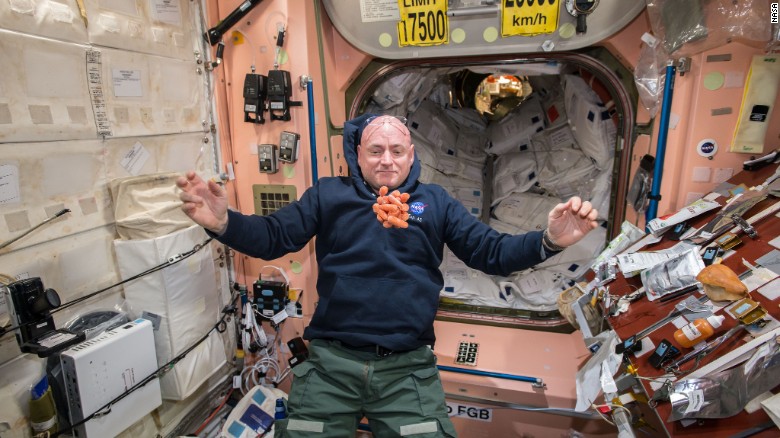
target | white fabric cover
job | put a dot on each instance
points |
(591, 125)
(466, 118)
(550, 92)
(526, 211)
(467, 285)
(395, 90)
(184, 296)
(565, 172)
(535, 289)
(513, 132)
(513, 172)
(450, 165)
(147, 206)
(470, 197)
(424, 150)
(472, 145)
(430, 123)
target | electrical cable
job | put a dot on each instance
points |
(613, 407)
(220, 327)
(45, 221)
(213, 414)
(170, 262)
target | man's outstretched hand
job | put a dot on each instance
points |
(205, 202)
(569, 222)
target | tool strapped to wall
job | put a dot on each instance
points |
(279, 94)
(255, 89)
(214, 34)
(279, 85)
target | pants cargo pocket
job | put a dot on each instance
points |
(430, 392)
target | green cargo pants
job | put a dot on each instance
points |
(400, 394)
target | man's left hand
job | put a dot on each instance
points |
(569, 222)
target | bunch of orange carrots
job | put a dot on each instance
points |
(391, 209)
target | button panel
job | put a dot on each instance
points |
(467, 353)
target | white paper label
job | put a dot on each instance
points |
(695, 401)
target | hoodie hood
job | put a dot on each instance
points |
(353, 131)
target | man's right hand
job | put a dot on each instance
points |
(205, 202)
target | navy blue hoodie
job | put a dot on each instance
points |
(378, 285)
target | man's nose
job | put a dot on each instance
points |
(387, 157)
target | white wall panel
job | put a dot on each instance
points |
(53, 176)
(148, 95)
(49, 18)
(167, 153)
(149, 26)
(74, 265)
(44, 93)
(75, 175)
(80, 105)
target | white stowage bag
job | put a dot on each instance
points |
(472, 145)
(469, 286)
(591, 125)
(515, 130)
(563, 169)
(147, 206)
(430, 123)
(527, 211)
(513, 172)
(185, 298)
(535, 289)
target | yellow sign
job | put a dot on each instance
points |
(529, 17)
(423, 23)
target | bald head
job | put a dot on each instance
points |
(385, 152)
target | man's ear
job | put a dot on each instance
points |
(411, 152)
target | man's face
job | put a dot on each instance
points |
(385, 153)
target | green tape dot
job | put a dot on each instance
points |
(458, 35)
(289, 171)
(385, 40)
(567, 30)
(490, 34)
(713, 80)
(296, 267)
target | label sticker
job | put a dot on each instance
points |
(470, 412)
(707, 148)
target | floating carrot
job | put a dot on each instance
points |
(395, 200)
(391, 209)
(397, 222)
(381, 214)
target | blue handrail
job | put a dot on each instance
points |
(312, 135)
(534, 380)
(660, 150)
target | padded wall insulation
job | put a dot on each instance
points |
(185, 297)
